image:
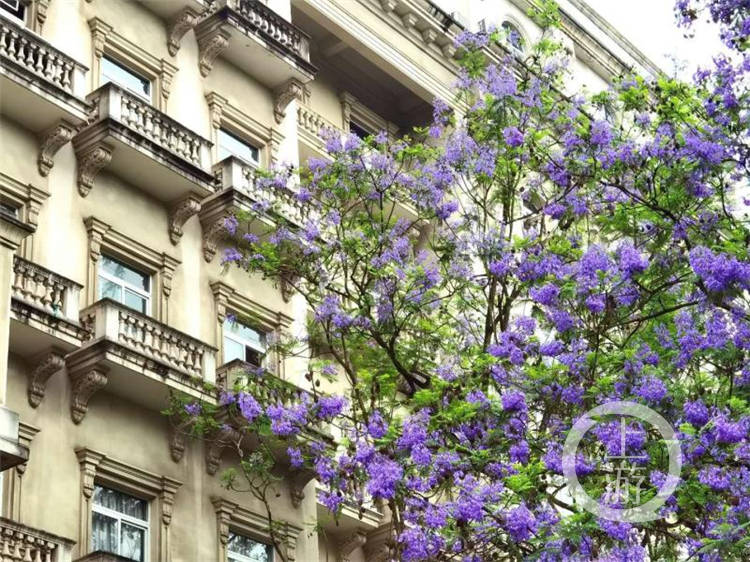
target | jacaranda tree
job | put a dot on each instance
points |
(477, 286)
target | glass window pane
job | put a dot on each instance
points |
(249, 549)
(135, 302)
(253, 356)
(110, 290)
(115, 72)
(13, 7)
(233, 350)
(132, 542)
(250, 336)
(121, 502)
(230, 145)
(7, 209)
(103, 533)
(122, 271)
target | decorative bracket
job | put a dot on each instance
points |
(90, 162)
(183, 22)
(52, 141)
(211, 237)
(49, 363)
(87, 375)
(222, 439)
(168, 490)
(209, 47)
(292, 89)
(298, 479)
(179, 215)
(356, 540)
(178, 439)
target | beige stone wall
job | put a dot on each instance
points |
(50, 491)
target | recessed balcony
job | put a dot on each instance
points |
(137, 357)
(254, 38)
(44, 309)
(143, 146)
(56, 82)
(19, 543)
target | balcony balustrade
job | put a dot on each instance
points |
(257, 40)
(238, 190)
(142, 145)
(310, 125)
(44, 309)
(28, 64)
(45, 290)
(19, 543)
(149, 339)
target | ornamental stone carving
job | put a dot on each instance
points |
(49, 363)
(224, 438)
(356, 540)
(90, 162)
(52, 141)
(210, 46)
(84, 384)
(179, 215)
(183, 22)
(211, 237)
(292, 89)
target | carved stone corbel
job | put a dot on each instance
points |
(47, 364)
(167, 73)
(168, 490)
(52, 141)
(99, 32)
(209, 47)
(429, 35)
(90, 162)
(388, 5)
(286, 285)
(409, 20)
(216, 104)
(183, 22)
(225, 437)
(179, 215)
(292, 89)
(85, 382)
(168, 267)
(89, 461)
(211, 237)
(177, 439)
(224, 511)
(40, 14)
(449, 50)
(356, 540)
(298, 479)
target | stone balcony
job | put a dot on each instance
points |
(238, 190)
(310, 125)
(257, 40)
(30, 65)
(19, 543)
(143, 146)
(44, 309)
(137, 357)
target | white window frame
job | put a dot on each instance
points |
(228, 132)
(116, 62)
(124, 284)
(5, 7)
(228, 335)
(235, 557)
(120, 517)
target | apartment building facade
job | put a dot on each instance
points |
(130, 130)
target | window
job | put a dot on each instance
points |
(124, 284)
(231, 145)
(15, 8)
(358, 130)
(119, 524)
(8, 210)
(243, 342)
(111, 71)
(514, 37)
(243, 549)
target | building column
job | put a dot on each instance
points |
(12, 232)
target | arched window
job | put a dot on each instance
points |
(513, 36)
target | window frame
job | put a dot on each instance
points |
(236, 557)
(228, 335)
(23, 8)
(120, 517)
(129, 70)
(124, 285)
(223, 130)
(508, 26)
